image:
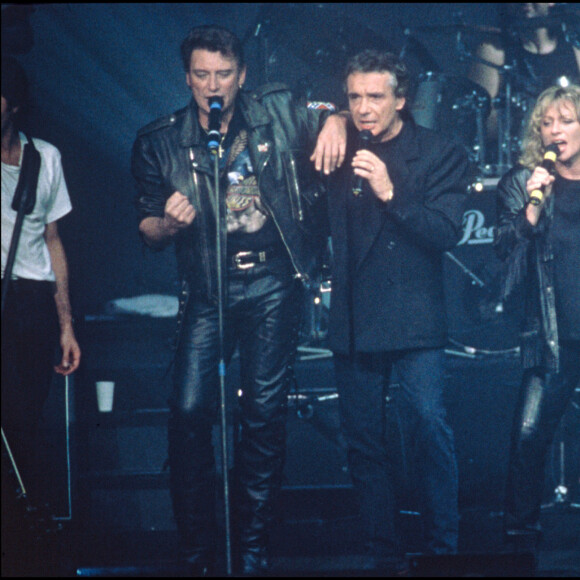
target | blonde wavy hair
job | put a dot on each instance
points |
(532, 148)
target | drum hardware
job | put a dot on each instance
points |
(483, 183)
(505, 137)
(457, 28)
(37, 521)
(472, 352)
(474, 279)
(456, 106)
(316, 316)
(561, 498)
(304, 403)
(478, 102)
(315, 328)
(502, 104)
(313, 353)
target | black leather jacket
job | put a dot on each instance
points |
(529, 257)
(171, 155)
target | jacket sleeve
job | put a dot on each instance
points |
(513, 229)
(430, 207)
(152, 190)
(514, 233)
(307, 119)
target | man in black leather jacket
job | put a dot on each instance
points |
(540, 243)
(271, 233)
(387, 313)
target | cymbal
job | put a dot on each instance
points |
(414, 47)
(455, 28)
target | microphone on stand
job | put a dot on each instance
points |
(215, 122)
(548, 163)
(364, 138)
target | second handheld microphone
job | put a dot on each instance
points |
(364, 138)
(548, 163)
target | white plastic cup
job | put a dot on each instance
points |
(105, 394)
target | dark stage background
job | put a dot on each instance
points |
(99, 72)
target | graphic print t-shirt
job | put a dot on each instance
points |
(249, 226)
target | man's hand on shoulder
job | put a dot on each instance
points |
(330, 147)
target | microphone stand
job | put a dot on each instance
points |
(221, 365)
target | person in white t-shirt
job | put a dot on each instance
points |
(36, 312)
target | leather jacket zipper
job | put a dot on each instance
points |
(202, 236)
(298, 274)
(293, 186)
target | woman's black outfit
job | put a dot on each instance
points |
(546, 257)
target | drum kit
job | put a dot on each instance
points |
(459, 107)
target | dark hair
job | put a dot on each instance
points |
(214, 39)
(14, 83)
(371, 60)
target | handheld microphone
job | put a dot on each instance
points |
(364, 138)
(215, 122)
(548, 163)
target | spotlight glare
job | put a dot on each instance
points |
(564, 82)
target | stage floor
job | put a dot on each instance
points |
(122, 523)
(318, 535)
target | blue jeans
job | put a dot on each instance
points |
(362, 381)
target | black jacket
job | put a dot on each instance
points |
(395, 296)
(171, 154)
(529, 258)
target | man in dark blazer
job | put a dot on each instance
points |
(395, 207)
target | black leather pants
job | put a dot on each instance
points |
(262, 318)
(542, 403)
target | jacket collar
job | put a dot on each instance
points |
(254, 113)
(190, 133)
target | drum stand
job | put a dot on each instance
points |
(561, 499)
(314, 333)
(504, 136)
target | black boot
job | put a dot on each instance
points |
(192, 485)
(199, 564)
(255, 562)
(254, 539)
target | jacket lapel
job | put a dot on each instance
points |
(400, 174)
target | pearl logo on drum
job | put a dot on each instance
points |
(474, 229)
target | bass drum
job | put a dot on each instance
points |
(454, 106)
(478, 319)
